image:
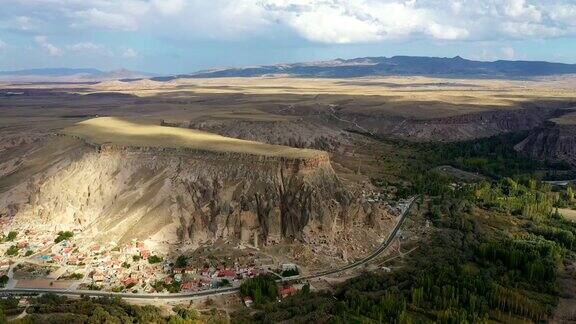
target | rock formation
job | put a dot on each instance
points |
(120, 193)
(553, 142)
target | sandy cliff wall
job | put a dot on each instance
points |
(121, 193)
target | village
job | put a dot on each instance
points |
(47, 259)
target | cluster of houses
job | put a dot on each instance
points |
(132, 267)
(129, 268)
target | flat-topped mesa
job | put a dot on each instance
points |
(289, 164)
(117, 131)
(142, 181)
(109, 134)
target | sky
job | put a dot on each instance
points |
(182, 36)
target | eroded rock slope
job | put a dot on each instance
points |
(118, 193)
(553, 142)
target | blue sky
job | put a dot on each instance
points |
(179, 36)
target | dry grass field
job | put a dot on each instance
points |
(407, 97)
(146, 134)
(417, 97)
(569, 214)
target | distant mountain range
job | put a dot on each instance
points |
(71, 75)
(396, 65)
(338, 68)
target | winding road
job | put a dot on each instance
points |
(219, 291)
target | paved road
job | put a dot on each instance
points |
(219, 291)
(370, 257)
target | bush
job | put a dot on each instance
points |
(181, 261)
(186, 313)
(4, 280)
(154, 259)
(224, 283)
(290, 272)
(62, 236)
(118, 288)
(13, 250)
(11, 236)
(76, 276)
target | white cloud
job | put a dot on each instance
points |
(23, 23)
(509, 53)
(361, 21)
(519, 9)
(84, 46)
(98, 18)
(3, 45)
(327, 21)
(349, 21)
(447, 32)
(331, 26)
(565, 14)
(169, 7)
(89, 47)
(129, 53)
(42, 42)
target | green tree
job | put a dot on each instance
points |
(4, 280)
(181, 261)
(570, 194)
(154, 259)
(2, 316)
(62, 236)
(11, 236)
(12, 250)
(306, 289)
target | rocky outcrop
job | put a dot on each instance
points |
(294, 133)
(552, 142)
(462, 127)
(121, 193)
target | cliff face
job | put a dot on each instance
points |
(294, 133)
(461, 127)
(123, 193)
(552, 142)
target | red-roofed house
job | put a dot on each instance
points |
(287, 291)
(188, 285)
(144, 254)
(128, 281)
(227, 273)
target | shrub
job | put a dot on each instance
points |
(62, 236)
(154, 259)
(13, 250)
(11, 236)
